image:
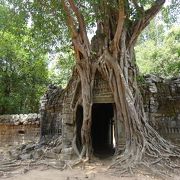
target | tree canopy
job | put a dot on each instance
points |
(160, 58)
(40, 27)
(157, 50)
(47, 18)
(23, 66)
(47, 26)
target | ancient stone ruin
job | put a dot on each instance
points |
(62, 114)
(18, 129)
(162, 105)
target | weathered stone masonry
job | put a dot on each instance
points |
(162, 105)
(19, 128)
(58, 116)
(161, 101)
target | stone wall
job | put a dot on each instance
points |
(20, 119)
(161, 101)
(162, 105)
(57, 114)
(18, 129)
(51, 112)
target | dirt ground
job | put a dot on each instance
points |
(97, 171)
(42, 173)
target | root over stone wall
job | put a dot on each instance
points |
(161, 102)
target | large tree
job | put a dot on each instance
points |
(111, 52)
(118, 24)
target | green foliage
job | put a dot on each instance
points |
(23, 68)
(158, 47)
(161, 58)
(11, 20)
(60, 69)
(171, 13)
(29, 30)
(48, 18)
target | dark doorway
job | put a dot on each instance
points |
(102, 132)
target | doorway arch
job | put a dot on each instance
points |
(102, 130)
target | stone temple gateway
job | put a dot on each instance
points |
(62, 114)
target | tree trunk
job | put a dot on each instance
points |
(112, 54)
(143, 146)
(85, 76)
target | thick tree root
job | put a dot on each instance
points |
(162, 165)
(145, 148)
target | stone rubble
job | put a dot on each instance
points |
(20, 119)
(162, 106)
(49, 150)
(161, 102)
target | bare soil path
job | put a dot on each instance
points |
(94, 171)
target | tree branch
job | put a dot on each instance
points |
(151, 13)
(69, 20)
(78, 15)
(82, 25)
(115, 42)
(140, 24)
(135, 4)
(79, 36)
